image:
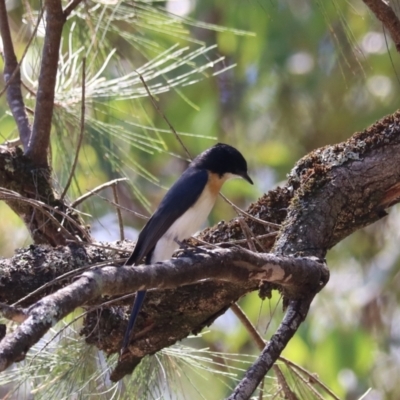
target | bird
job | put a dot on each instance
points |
(183, 210)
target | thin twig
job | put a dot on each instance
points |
(164, 117)
(309, 385)
(233, 242)
(82, 130)
(390, 54)
(204, 243)
(71, 7)
(97, 189)
(120, 221)
(295, 314)
(13, 142)
(284, 385)
(113, 203)
(277, 394)
(11, 195)
(261, 392)
(32, 93)
(28, 11)
(91, 309)
(100, 246)
(239, 210)
(39, 206)
(69, 274)
(250, 237)
(247, 234)
(248, 326)
(310, 376)
(58, 333)
(259, 341)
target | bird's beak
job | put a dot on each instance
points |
(247, 178)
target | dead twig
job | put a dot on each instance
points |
(240, 211)
(164, 117)
(67, 275)
(250, 237)
(97, 189)
(113, 203)
(248, 326)
(120, 221)
(284, 385)
(6, 194)
(71, 7)
(311, 377)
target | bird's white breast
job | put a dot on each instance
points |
(185, 226)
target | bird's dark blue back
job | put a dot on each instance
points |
(180, 197)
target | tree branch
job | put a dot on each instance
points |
(12, 77)
(295, 315)
(388, 17)
(40, 138)
(234, 265)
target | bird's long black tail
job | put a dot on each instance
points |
(137, 306)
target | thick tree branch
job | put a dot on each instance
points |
(12, 77)
(234, 265)
(40, 138)
(388, 17)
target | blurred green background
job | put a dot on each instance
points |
(295, 75)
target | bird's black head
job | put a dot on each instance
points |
(223, 159)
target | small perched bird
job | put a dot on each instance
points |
(183, 210)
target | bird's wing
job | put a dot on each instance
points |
(180, 197)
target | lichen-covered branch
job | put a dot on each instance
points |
(234, 265)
